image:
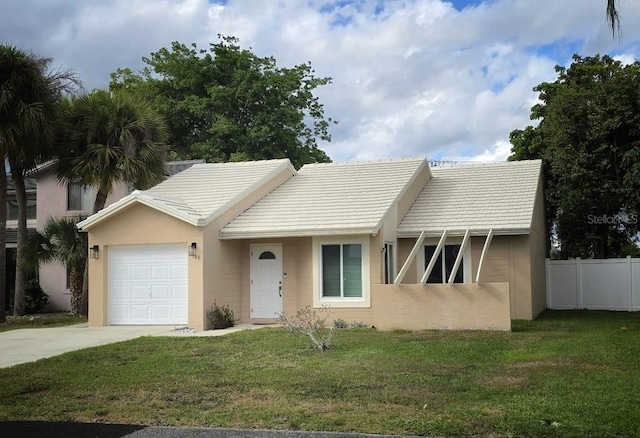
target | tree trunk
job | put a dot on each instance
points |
(101, 200)
(17, 175)
(76, 280)
(3, 242)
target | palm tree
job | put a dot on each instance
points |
(29, 95)
(60, 240)
(613, 17)
(110, 138)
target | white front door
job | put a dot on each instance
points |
(266, 281)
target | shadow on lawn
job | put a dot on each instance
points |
(44, 429)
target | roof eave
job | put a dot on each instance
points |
(460, 232)
(102, 215)
(283, 234)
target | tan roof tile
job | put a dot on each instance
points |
(329, 198)
(479, 197)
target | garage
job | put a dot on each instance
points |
(148, 284)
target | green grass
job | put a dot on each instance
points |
(568, 374)
(40, 320)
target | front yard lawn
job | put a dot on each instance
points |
(40, 320)
(566, 374)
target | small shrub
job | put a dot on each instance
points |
(221, 317)
(340, 323)
(34, 297)
(359, 324)
(308, 322)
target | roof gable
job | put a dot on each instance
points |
(202, 192)
(498, 196)
(329, 198)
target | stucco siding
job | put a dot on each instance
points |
(404, 249)
(460, 307)
(496, 265)
(538, 241)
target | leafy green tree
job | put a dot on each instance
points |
(29, 95)
(227, 104)
(60, 240)
(589, 140)
(108, 138)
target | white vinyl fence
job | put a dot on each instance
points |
(605, 284)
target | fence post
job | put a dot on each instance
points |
(579, 283)
(630, 268)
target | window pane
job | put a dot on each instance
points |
(80, 198)
(436, 273)
(73, 197)
(330, 270)
(352, 259)
(87, 198)
(31, 208)
(451, 252)
(12, 209)
(389, 271)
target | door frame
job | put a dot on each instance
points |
(254, 251)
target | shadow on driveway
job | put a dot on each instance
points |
(44, 429)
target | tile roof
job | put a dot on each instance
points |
(479, 197)
(328, 198)
(202, 192)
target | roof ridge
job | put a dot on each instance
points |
(242, 163)
(486, 164)
(357, 162)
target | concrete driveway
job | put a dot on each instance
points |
(28, 345)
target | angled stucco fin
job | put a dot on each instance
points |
(456, 265)
(485, 249)
(434, 257)
(412, 255)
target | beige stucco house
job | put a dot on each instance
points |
(390, 243)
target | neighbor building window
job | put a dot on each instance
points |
(444, 264)
(341, 270)
(12, 208)
(80, 198)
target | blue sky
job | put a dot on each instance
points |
(441, 79)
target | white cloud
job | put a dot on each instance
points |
(415, 78)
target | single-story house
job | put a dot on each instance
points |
(391, 243)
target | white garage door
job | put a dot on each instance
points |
(148, 284)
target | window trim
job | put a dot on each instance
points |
(466, 259)
(318, 299)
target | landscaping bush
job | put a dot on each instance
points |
(220, 317)
(34, 297)
(307, 322)
(340, 323)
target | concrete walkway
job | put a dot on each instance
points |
(28, 345)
